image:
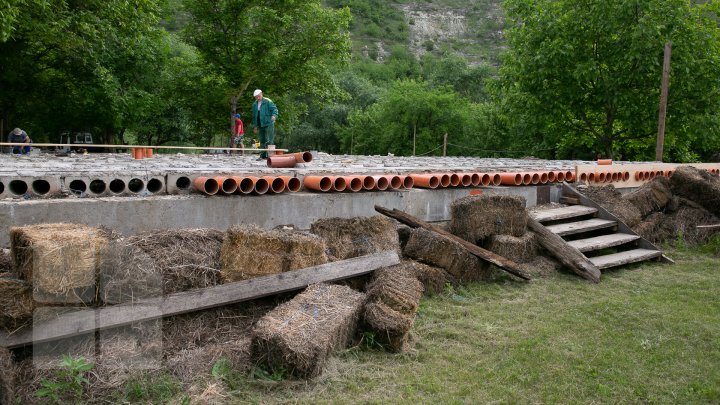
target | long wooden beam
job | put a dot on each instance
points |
(504, 263)
(95, 145)
(85, 321)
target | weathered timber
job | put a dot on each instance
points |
(85, 321)
(569, 200)
(568, 255)
(502, 262)
(587, 225)
(555, 214)
(602, 242)
(708, 226)
(628, 256)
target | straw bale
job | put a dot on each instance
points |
(397, 287)
(249, 251)
(299, 335)
(522, 249)
(8, 377)
(651, 197)
(16, 303)
(191, 365)
(474, 218)
(434, 279)
(6, 264)
(610, 198)
(541, 266)
(391, 327)
(680, 224)
(58, 259)
(433, 249)
(346, 238)
(160, 262)
(698, 186)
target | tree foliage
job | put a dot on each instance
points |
(587, 74)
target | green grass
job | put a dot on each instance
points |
(645, 334)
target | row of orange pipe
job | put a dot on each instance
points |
(537, 177)
(604, 177)
(228, 185)
(142, 153)
(435, 180)
(355, 183)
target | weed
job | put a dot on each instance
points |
(370, 342)
(222, 371)
(69, 381)
(680, 243)
(275, 375)
(150, 388)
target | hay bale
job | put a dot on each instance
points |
(680, 224)
(697, 186)
(391, 326)
(299, 335)
(346, 238)
(522, 249)
(16, 303)
(6, 264)
(651, 197)
(191, 365)
(160, 262)
(433, 249)
(434, 279)
(398, 290)
(249, 252)
(398, 287)
(8, 377)
(474, 218)
(541, 266)
(59, 260)
(611, 199)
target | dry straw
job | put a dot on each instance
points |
(352, 237)
(698, 186)
(249, 251)
(58, 259)
(299, 335)
(474, 218)
(521, 249)
(611, 199)
(16, 304)
(651, 197)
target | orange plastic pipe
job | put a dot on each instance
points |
(227, 184)
(206, 185)
(425, 180)
(511, 179)
(486, 179)
(368, 182)
(543, 177)
(138, 153)
(261, 186)
(318, 183)
(560, 176)
(148, 153)
(292, 184)
(466, 179)
(455, 179)
(275, 184)
(476, 179)
(246, 185)
(302, 157)
(604, 162)
(551, 176)
(407, 182)
(495, 179)
(281, 161)
(569, 176)
(353, 183)
(381, 183)
(338, 183)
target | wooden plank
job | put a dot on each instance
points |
(587, 225)
(569, 200)
(602, 242)
(708, 226)
(626, 257)
(490, 257)
(555, 214)
(84, 321)
(568, 256)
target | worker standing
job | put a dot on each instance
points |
(264, 115)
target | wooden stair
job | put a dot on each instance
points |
(601, 238)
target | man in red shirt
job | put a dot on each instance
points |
(237, 140)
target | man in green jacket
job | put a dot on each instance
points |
(264, 114)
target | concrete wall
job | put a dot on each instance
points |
(130, 215)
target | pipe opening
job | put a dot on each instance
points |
(382, 183)
(396, 182)
(261, 186)
(293, 184)
(182, 183)
(136, 185)
(154, 185)
(18, 187)
(2, 187)
(277, 184)
(41, 187)
(97, 186)
(368, 183)
(246, 185)
(78, 186)
(408, 182)
(117, 186)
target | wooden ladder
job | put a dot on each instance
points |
(600, 236)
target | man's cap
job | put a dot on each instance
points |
(256, 92)
(17, 131)
(238, 115)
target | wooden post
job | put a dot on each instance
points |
(445, 144)
(663, 103)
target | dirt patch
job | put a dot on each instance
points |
(346, 238)
(474, 218)
(611, 199)
(249, 251)
(299, 335)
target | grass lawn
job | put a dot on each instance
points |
(648, 333)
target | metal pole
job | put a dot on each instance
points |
(663, 103)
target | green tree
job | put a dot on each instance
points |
(281, 46)
(586, 74)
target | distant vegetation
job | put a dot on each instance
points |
(515, 78)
